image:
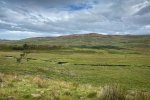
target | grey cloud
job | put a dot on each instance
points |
(142, 17)
(142, 20)
(145, 10)
(52, 17)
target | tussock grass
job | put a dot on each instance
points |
(138, 95)
(37, 87)
(40, 82)
(113, 92)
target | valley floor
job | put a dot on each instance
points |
(74, 74)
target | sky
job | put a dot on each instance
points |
(21, 19)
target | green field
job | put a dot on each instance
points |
(76, 67)
(81, 67)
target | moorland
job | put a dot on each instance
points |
(76, 67)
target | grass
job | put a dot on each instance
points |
(90, 74)
(28, 87)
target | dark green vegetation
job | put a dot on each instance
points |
(96, 68)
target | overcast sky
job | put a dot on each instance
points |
(33, 18)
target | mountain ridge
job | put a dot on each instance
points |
(90, 39)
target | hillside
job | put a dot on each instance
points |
(88, 40)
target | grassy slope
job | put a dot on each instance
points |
(89, 40)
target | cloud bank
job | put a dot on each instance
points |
(32, 18)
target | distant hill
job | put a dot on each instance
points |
(88, 40)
